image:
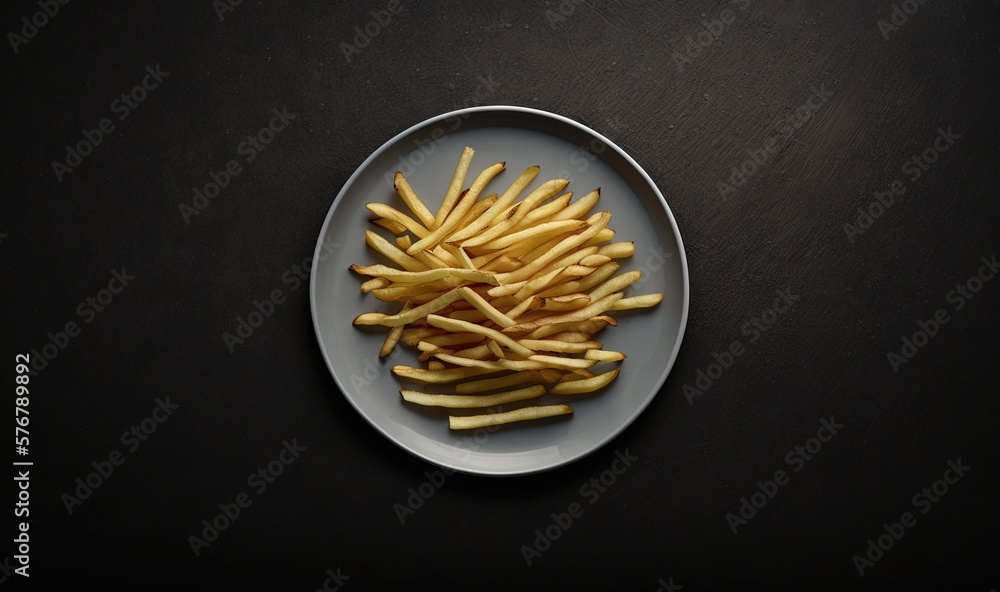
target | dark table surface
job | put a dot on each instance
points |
(121, 298)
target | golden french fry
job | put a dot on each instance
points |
(580, 208)
(448, 339)
(375, 318)
(419, 294)
(472, 401)
(390, 225)
(577, 374)
(589, 326)
(485, 307)
(435, 365)
(565, 303)
(388, 212)
(496, 349)
(392, 337)
(517, 211)
(601, 237)
(416, 277)
(439, 376)
(522, 377)
(457, 180)
(595, 222)
(462, 208)
(617, 250)
(584, 283)
(592, 309)
(406, 193)
(644, 301)
(564, 363)
(463, 326)
(482, 222)
(543, 212)
(619, 282)
(494, 365)
(601, 355)
(536, 233)
(373, 284)
(587, 385)
(554, 345)
(392, 252)
(471, 422)
(533, 303)
(403, 242)
(414, 336)
(595, 260)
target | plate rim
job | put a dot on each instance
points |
(676, 347)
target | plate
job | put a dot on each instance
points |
(427, 154)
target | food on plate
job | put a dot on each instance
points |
(503, 299)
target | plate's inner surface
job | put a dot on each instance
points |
(428, 158)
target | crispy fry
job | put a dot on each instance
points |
(406, 193)
(472, 401)
(580, 208)
(390, 225)
(482, 222)
(429, 275)
(471, 422)
(594, 308)
(462, 208)
(390, 213)
(439, 376)
(375, 318)
(454, 325)
(565, 363)
(644, 301)
(602, 355)
(392, 252)
(587, 385)
(451, 197)
(618, 250)
(488, 384)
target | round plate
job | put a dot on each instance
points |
(427, 154)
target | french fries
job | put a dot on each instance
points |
(498, 294)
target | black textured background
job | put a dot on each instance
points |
(611, 66)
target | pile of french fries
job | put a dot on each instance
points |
(494, 286)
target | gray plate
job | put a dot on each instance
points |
(427, 154)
